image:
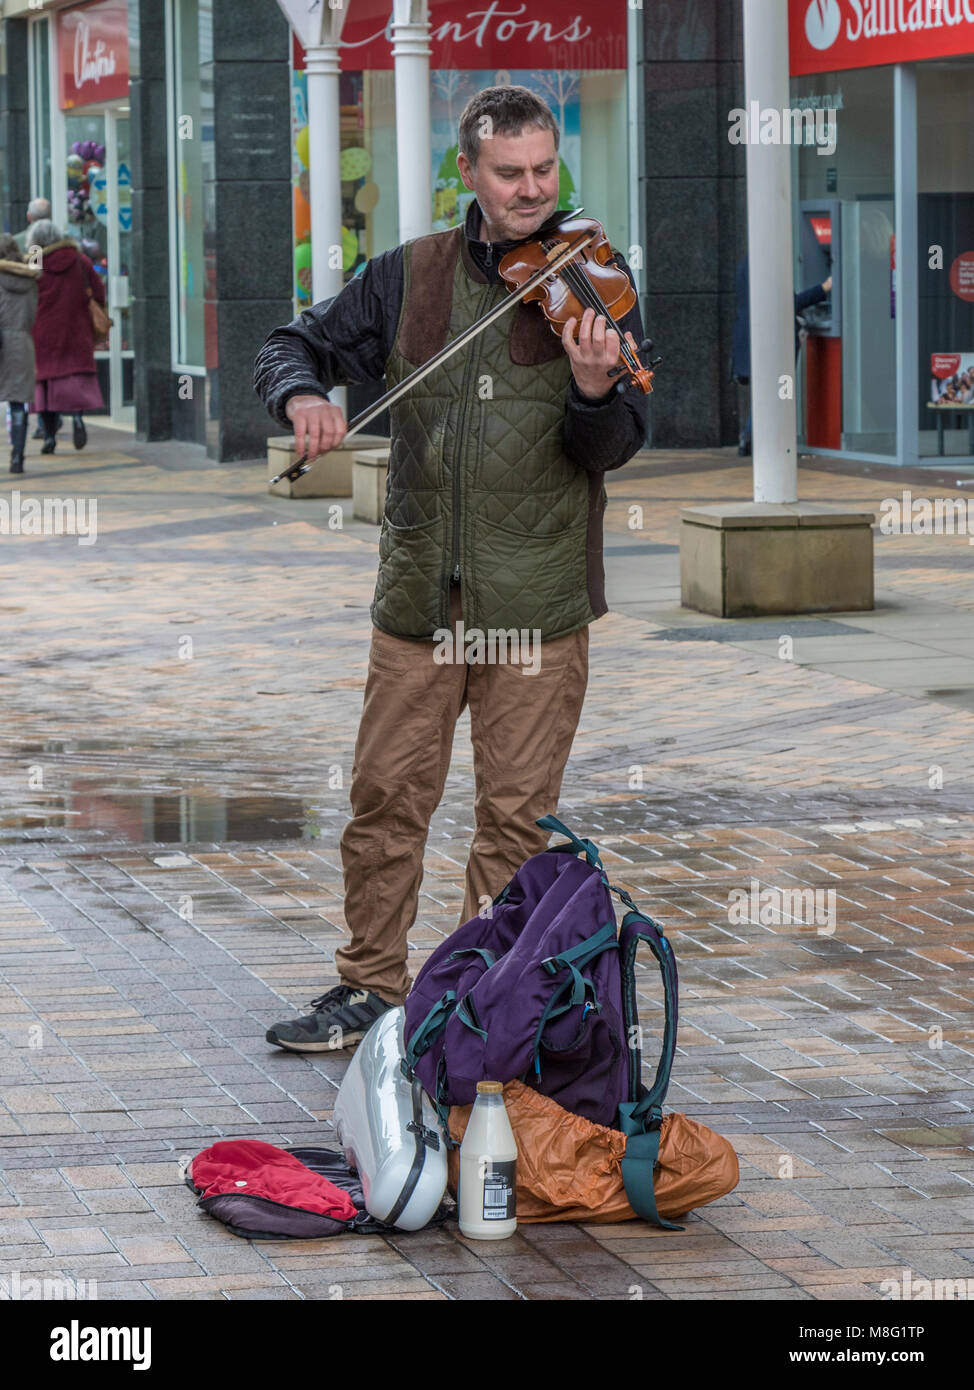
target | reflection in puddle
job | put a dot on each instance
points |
(180, 818)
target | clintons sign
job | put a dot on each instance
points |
(93, 52)
(830, 35)
(478, 35)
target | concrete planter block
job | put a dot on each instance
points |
(369, 471)
(752, 558)
(329, 476)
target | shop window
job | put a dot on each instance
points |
(191, 151)
(945, 216)
(590, 105)
(39, 78)
(845, 227)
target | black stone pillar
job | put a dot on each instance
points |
(149, 272)
(693, 189)
(15, 188)
(249, 199)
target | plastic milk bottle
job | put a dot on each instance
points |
(488, 1168)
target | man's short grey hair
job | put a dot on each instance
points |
(37, 209)
(503, 111)
(43, 233)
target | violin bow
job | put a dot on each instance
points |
(301, 465)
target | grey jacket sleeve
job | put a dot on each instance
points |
(337, 342)
(602, 435)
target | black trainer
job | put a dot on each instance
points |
(341, 1019)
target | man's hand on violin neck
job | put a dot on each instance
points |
(318, 425)
(594, 354)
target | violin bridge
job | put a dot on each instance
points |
(555, 251)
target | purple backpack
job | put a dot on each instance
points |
(543, 989)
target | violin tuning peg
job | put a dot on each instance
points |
(656, 361)
(646, 345)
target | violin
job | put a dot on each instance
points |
(566, 268)
(588, 281)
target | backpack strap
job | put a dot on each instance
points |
(486, 956)
(579, 956)
(641, 1116)
(586, 847)
(428, 1031)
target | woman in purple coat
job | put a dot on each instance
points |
(64, 338)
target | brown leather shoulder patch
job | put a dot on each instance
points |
(429, 298)
(532, 338)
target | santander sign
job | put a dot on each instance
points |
(831, 35)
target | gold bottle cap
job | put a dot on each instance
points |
(489, 1088)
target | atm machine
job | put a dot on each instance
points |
(819, 256)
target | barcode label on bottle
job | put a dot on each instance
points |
(499, 1191)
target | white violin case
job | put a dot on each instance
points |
(389, 1130)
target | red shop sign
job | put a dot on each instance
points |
(822, 227)
(943, 365)
(832, 35)
(499, 35)
(962, 276)
(93, 52)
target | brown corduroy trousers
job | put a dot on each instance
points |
(521, 726)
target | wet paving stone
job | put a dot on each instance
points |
(170, 885)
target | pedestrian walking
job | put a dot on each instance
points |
(493, 522)
(18, 309)
(64, 336)
(38, 210)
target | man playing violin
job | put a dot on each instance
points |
(493, 518)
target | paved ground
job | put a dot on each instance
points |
(180, 701)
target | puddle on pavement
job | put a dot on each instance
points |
(74, 745)
(180, 818)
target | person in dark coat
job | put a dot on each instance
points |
(741, 341)
(18, 309)
(64, 337)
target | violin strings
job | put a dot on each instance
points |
(587, 295)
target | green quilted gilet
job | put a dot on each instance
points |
(478, 484)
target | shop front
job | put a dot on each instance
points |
(572, 55)
(78, 84)
(888, 364)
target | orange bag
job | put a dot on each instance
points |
(569, 1169)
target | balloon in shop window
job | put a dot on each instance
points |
(302, 270)
(355, 163)
(349, 248)
(301, 145)
(99, 196)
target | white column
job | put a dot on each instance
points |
(411, 54)
(907, 259)
(770, 257)
(324, 171)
